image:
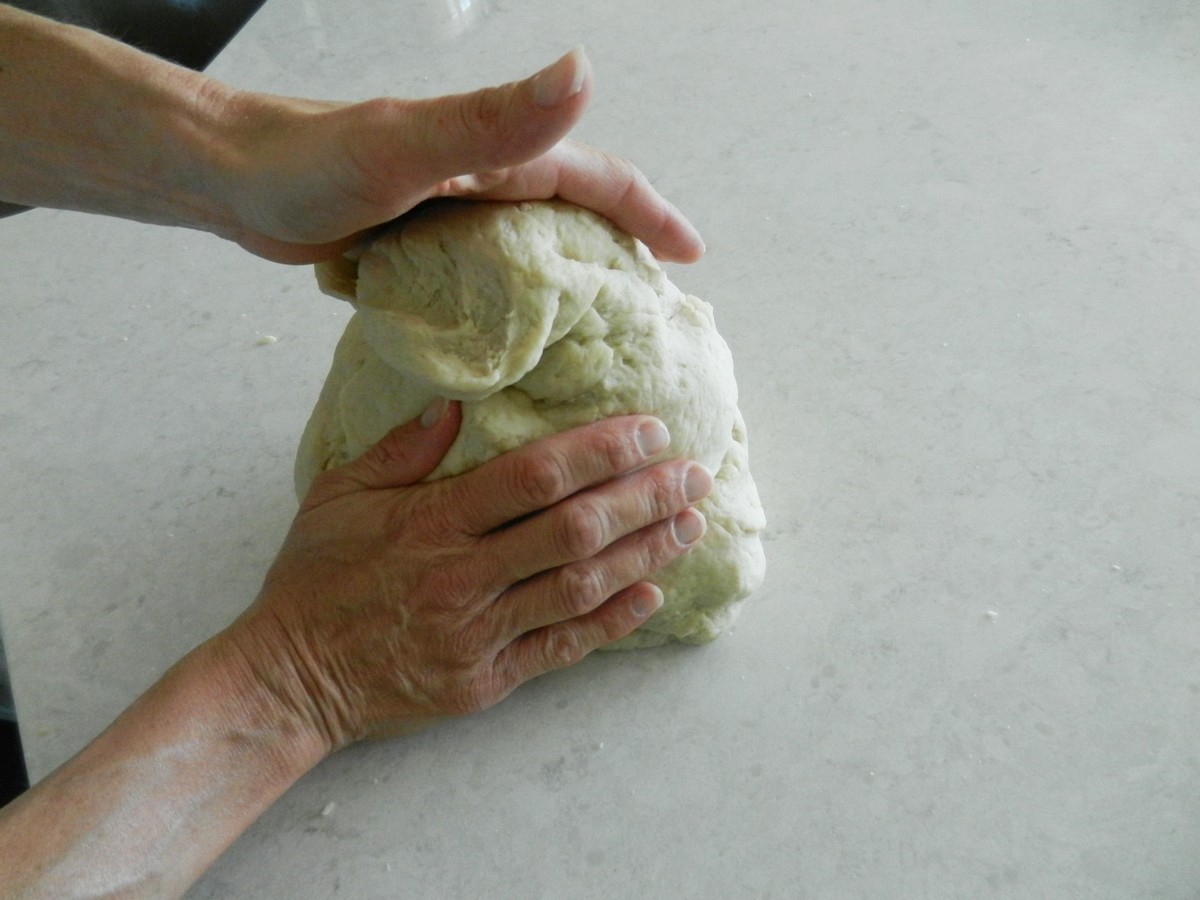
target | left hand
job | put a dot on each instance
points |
(309, 177)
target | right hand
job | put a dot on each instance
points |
(394, 601)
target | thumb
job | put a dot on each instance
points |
(405, 455)
(498, 127)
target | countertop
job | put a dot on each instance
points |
(955, 249)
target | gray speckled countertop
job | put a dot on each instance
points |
(955, 248)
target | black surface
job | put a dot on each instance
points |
(13, 779)
(189, 32)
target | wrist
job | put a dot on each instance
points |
(151, 802)
(284, 685)
(90, 124)
(260, 706)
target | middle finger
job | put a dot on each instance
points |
(577, 589)
(583, 525)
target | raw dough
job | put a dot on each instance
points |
(541, 317)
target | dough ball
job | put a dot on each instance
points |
(541, 317)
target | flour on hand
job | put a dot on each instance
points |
(541, 317)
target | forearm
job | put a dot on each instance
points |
(144, 809)
(88, 123)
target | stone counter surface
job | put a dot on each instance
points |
(955, 249)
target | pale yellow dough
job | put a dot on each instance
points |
(541, 317)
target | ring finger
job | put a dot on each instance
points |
(581, 587)
(583, 525)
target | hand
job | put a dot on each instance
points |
(88, 123)
(394, 602)
(311, 176)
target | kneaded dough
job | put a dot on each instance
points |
(541, 317)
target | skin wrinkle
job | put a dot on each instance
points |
(583, 587)
(581, 531)
(288, 672)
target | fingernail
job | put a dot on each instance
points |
(644, 606)
(691, 235)
(434, 412)
(689, 526)
(652, 437)
(696, 484)
(559, 82)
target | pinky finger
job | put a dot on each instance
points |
(566, 643)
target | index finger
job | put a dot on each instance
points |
(618, 190)
(540, 474)
(606, 184)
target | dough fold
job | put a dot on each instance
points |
(541, 317)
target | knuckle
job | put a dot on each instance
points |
(582, 588)
(621, 625)
(564, 648)
(650, 551)
(540, 480)
(473, 697)
(431, 522)
(653, 554)
(648, 557)
(583, 530)
(486, 106)
(438, 517)
(634, 182)
(666, 495)
(463, 683)
(508, 670)
(385, 457)
(631, 182)
(619, 452)
(486, 112)
(450, 592)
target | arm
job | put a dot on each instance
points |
(148, 805)
(393, 603)
(87, 123)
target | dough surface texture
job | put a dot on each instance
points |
(541, 317)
